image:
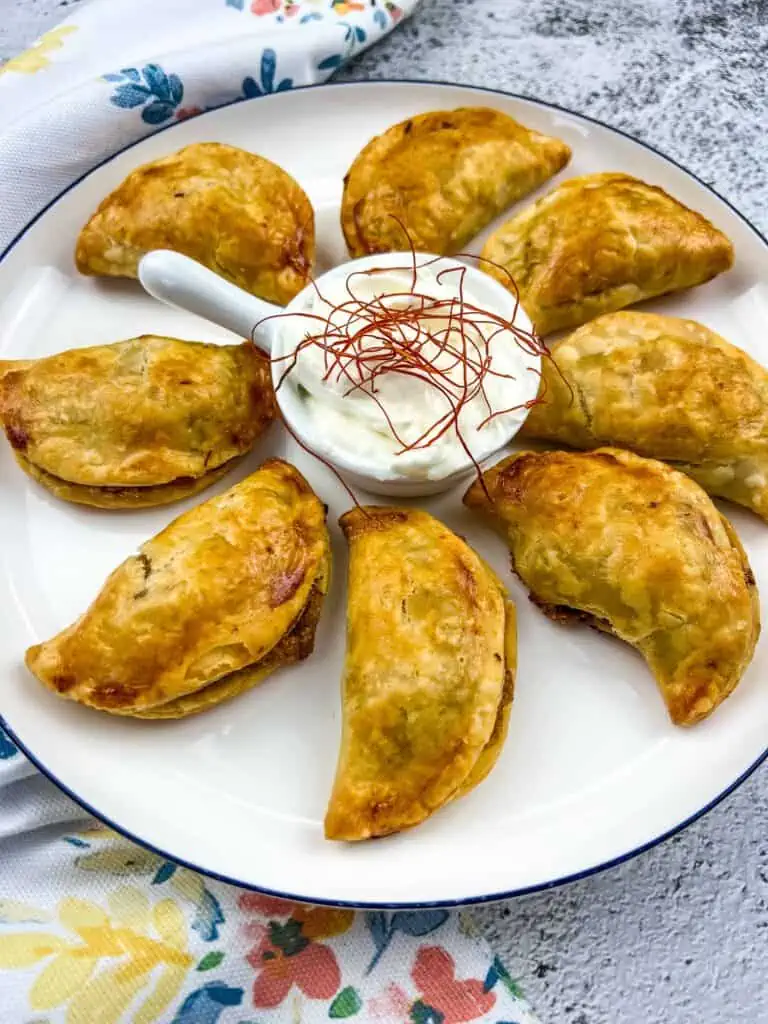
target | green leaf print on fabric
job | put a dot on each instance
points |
(211, 960)
(346, 1004)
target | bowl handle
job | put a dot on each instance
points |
(186, 284)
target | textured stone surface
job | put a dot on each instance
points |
(679, 935)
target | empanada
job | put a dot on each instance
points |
(235, 212)
(637, 549)
(428, 676)
(228, 592)
(136, 423)
(663, 387)
(601, 242)
(444, 176)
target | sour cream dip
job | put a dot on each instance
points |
(407, 397)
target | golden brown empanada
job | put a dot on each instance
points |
(444, 176)
(228, 592)
(663, 387)
(235, 212)
(428, 677)
(136, 423)
(638, 550)
(601, 242)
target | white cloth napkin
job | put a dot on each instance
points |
(94, 929)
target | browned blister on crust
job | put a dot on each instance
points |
(663, 387)
(636, 549)
(233, 211)
(444, 176)
(601, 242)
(137, 423)
(225, 594)
(428, 675)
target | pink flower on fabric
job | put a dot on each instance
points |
(316, 922)
(286, 950)
(269, 906)
(285, 958)
(395, 12)
(391, 1007)
(434, 973)
(265, 6)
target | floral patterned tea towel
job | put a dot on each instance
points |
(96, 930)
(119, 69)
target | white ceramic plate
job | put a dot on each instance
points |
(592, 771)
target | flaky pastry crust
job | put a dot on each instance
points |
(601, 242)
(227, 592)
(444, 176)
(663, 387)
(428, 675)
(136, 423)
(233, 211)
(638, 550)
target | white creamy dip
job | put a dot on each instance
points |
(346, 419)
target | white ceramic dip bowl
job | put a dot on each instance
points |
(179, 281)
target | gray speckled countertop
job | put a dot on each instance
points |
(680, 934)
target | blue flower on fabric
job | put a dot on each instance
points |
(329, 63)
(206, 1004)
(156, 92)
(266, 83)
(7, 748)
(383, 927)
(208, 917)
(353, 36)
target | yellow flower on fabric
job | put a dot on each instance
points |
(36, 57)
(122, 859)
(109, 957)
(347, 6)
(316, 922)
(467, 925)
(26, 948)
(324, 922)
(97, 831)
